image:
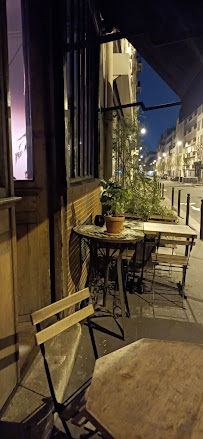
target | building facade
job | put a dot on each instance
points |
(182, 156)
(60, 137)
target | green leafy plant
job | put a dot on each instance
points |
(126, 144)
(114, 198)
(145, 200)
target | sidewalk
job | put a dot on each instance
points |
(164, 322)
(194, 278)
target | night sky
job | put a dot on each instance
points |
(154, 92)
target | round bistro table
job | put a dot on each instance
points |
(96, 238)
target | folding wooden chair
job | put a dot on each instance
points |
(54, 329)
(162, 260)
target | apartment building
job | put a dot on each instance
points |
(184, 157)
(164, 148)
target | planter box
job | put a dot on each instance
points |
(168, 218)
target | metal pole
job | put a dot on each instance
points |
(179, 197)
(172, 197)
(163, 190)
(201, 222)
(187, 209)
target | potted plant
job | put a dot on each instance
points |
(114, 199)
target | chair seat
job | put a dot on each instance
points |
(169, 259)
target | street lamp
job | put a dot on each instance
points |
(179, 143)
(141, 156)
(164, 154)
(143, 130)
(159, 158)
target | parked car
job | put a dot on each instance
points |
(164, 177)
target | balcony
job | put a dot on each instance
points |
(138, 88)
(139, 65)
(121, 64)
(122, 76)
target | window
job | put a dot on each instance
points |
(19, 90)
(2, 116)
(82, 90)
(198, 125)
(202, 123)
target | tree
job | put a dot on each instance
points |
(126, 144)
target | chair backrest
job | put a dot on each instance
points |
(176, 240)
(39, 316)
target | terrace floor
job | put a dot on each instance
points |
(163, 320)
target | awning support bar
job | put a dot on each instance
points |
(102, 39)
(140, 104)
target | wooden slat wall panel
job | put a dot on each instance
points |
(26, 217)
(27, 204)
(28, 268)
(33, 256)
(4, 241)
(4, 221)
(8, 377)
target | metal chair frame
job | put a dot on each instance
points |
(43, 335)
(188, 248)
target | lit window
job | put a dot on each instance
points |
(19, 90)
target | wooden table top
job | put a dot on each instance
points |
(151, 228)
(132, 233)
(149, 389)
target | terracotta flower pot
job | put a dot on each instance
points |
(114, 224)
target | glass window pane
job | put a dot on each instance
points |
(19, 90)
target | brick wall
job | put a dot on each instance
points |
(82, 202)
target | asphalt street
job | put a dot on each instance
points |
(196, 195)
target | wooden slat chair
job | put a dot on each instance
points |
(172, 260)
(54, 329)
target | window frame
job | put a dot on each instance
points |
(82, 67)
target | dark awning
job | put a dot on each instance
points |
(169, 36)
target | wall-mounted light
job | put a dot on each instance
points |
(164, 154)
(179, 143)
